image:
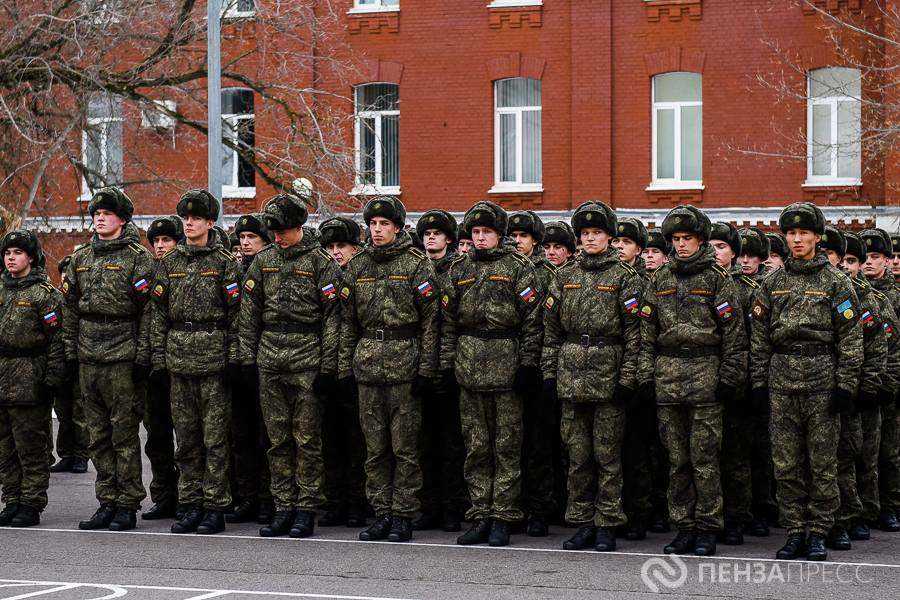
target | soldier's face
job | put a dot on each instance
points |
(108, 224)
(749, 263)
(250, 243)
(833, 257)
(628, 249)
(288, 237)
(341, 251)
(594, 241)
(802, 243)
(524, 242)
(852, 264)
(654, 258)
(196, 229)
(484, 238)
(774, 261)
(724, 253)
(875, 265)
(17, 262)
(162, 244)
(435, 241)
(557, 254)
(686, 244)
(236, 252)
(464, 246)
(384, 231)
(895, 264)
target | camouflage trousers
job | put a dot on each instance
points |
(344, 453)
(805, 438)
(848, 450)
(539, 437)
(492, 432)
(761, 468)
(23, 455)
(201, 412)
(737, 488)
(71, 437)
(250, 444)
(693, 437)
(889, 458)
(391, 421)
(293, 416)
(443, 455)
(113, 409)
(867, 464)
(160, 446)
(645, 464)
(593, 433)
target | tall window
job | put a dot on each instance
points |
(101, 143)
(374, 4)
(678, 130)
(237, 8)
(517, 134)
(238, 177)
(834, 126)
(378, 137)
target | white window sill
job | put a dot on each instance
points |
(238, 14)
(372, 191)
(838, 183)
(365, 10)
(675, 186)
(238, 192)
(514, 3)
(517, 189)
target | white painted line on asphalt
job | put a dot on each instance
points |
(209, 595)
(115, 591)
(59, 588)
(434, 545)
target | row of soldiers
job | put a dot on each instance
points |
(671, 364)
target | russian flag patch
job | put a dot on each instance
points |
(724, 310)
(233, 289)
(50, 318)
(631, 305)
(868, 319)
(140, 285)
(888, 332)
(528, 295)
(329, 292)
(425, 289)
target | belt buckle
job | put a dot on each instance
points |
(797, 350)
(379, 332)
(484, 334)
(684, 352)
(585, 340)
(189, 326)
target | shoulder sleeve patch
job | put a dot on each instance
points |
(628, 268)
(521, 258)
(49, 288)
(227, 255)
(137, 248)
(325, 254)
(749, 282)
(720, 270)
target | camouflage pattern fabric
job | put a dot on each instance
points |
(848, 450)
(23, 454)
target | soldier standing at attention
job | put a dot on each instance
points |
(805, 355)
(463, 240)
(195, 342)
(778, 250)
(106, 331)
(31, 371)
(163, 235)
(389, 346)
(290, 325)
(490, 344)
(591, 345)
(693, 358)
(343, 444)
(657, 251)
(630, 240)
(559, 243)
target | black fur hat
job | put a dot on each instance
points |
(253, 223)
(529, 222)
(802, 215)
(594, 214)
(633, 230)
(170, 226)
(877, 240)
(833, 239)
(486, 214)
(340, 230)
(778, 245)
(284, 212)
(656, 239)
(727, 233)
(198, 203)
(23, 240)
(855, 246)
(686, 219)
(440, 220)
(560, 232)
(114, 200)
(754, 241)
(388, 207)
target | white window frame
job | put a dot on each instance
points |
(510, 187)
(230, 10)
(380, 6)
(675, 183)
(364, 188)
(831, 180)
(507, 3)
(86, 192)
(231, 122)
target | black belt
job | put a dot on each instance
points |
(22, 352)
(690, 352)
(294, 328)
(490, 334)
(805, 349)
(586, 340)
(205, 326)
(390, 335)
(109, 318)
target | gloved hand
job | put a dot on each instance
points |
(348, 386)
(841, 401)
(421, 386)
(885, 397)
(551, 391)
(622, 394)
(866, 401)
(160, 380)
(140, 373)
(449, 382)
(72, 368)
(527, 379)
(759, 398)
(231, 374)
(250, 378)
(324, 384)
(725, 393)
(647, 393)
(47, 393)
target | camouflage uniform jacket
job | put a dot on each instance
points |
(875, 342)
(885, 284)
(640, 268)
(542, 269)
(491, 289)
(884, 293)
(442, 269)
(599, 297)
(390, 287)
(31, 313)
(296, 285)
(691, 303)
(108, 279)
(806, 301)
(196, 285)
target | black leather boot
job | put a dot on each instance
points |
(733, 535)
(582, 540)
(538, 526)
(794, 548)
(164, 509)
(499, 535)
(401, 530)
(606, 540)
(759, 527)
(683, 542)
(26, 517)
(477, 534)
(430, 519)
(356, 516)
(64, 465)
(191, 520)
(80, 465)
(280, 525)
(859, 529)
(10, 511)
(660, 524)
(213, 522)
(838, 539)
(304, 524)
(887, 521)
(266, 513)
(102, 518)
(451, 522)
(125, 519)
(335, 515)
(246, 512)
(379, 529)
(636, 530)
(815, 547)
(705, 544)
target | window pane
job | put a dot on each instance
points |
(508, 148)
(390, 150)
(834, 81)
(104, 106)
(665, 144)
(531, 146)
(848, 137)
(691, 143)
(93, 143)
(518, 92)
(678, 87)
(367, 151)
(821, 140)
(377, 97)
(114, 160)
(237, 101)
(246, 176)
(229, 127)
(245, 5)
(366, 2)
(390, 2)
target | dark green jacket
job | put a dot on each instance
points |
(875, 344)
(543, 270)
